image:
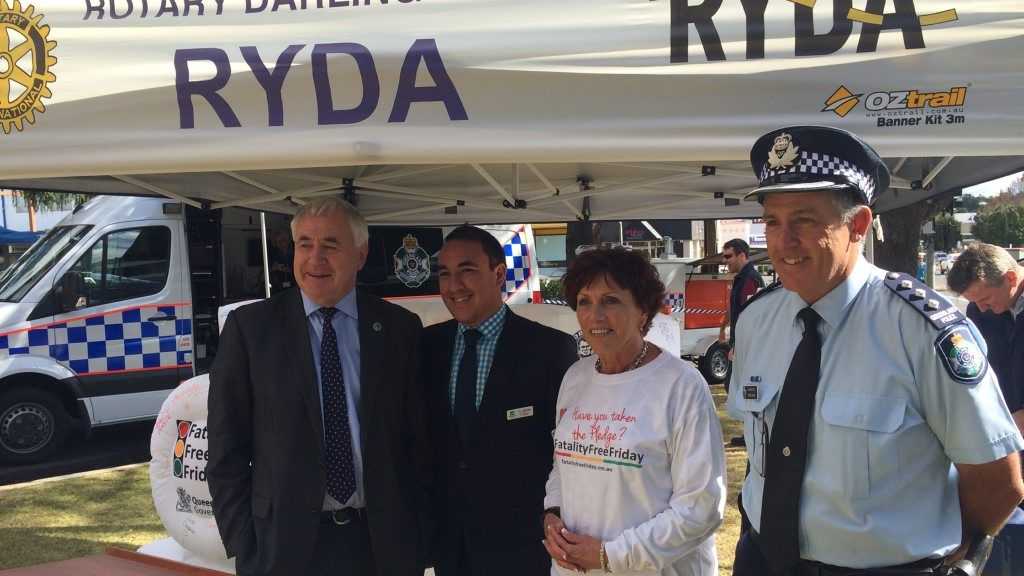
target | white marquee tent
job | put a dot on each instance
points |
(443, 111)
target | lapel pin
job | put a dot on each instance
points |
(377, 327)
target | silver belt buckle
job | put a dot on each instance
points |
(339, 518)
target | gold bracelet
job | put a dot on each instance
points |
(604, 560)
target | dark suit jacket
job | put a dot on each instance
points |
(1005, 338)
(499, 498)
(264, 408)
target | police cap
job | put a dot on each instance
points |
(811, 158)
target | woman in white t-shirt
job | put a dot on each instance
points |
(638, 484)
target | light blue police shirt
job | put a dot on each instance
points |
(346, 327)
(880, 488)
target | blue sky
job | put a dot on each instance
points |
(992, 187)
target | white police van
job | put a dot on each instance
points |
(117, 304)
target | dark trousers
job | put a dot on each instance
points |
(342, 550)
(749, 560)
(1007, 557)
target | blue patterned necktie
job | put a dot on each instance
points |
(341, 476)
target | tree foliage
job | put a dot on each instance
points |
(39, 200)
(947, 232)
(970, 203)
(1001, 220)
(1001, 223)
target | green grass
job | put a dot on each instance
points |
(735, 461)
(79, 516)
(83, 515)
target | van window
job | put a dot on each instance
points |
(17, 280)
(121, 265)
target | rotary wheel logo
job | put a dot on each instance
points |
(25, 63)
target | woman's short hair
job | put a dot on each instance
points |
(626, 269)
(327, 205)
(979, 261)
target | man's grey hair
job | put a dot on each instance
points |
(327, 205)
(847, 203)
(980, 261)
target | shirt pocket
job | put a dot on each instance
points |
(751, 404)
(859, 446)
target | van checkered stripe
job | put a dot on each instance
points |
(674, 300)
(705, 311)
(115, 341)
(825, 165)
(517, 263)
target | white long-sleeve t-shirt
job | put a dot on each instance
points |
(639, 465)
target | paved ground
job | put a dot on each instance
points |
(105, 448)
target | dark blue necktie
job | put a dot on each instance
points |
(341, 476)
(465, 388)
(787, 450)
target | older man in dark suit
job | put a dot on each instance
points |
(319, 461)
(494, 382)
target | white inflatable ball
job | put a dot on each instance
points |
(177, 472)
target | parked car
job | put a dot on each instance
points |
(946, 262)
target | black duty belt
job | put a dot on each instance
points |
(925, 567)
(343, 516)
(920, 568)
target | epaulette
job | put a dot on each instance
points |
(932, 305)
(762, 292)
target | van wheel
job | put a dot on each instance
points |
(715, 364)
(33, 425)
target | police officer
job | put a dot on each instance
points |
(876, 434)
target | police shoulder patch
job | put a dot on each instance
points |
(961, 355)
(939, 312)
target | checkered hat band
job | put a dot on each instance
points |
(823, 165)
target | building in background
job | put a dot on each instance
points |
(751, 230)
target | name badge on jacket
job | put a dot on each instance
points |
(524, 412)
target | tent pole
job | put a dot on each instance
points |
(554, 190)
(157, 190)
(935, 171)
(494, 183)
(266, 256)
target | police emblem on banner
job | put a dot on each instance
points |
(962, 356)
(25, 65)
(412, 263)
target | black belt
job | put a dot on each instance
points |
(343, 516)
(924, 567)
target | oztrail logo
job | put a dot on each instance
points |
(25, 62)
(843, 101)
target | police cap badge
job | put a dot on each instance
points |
(811, 158)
